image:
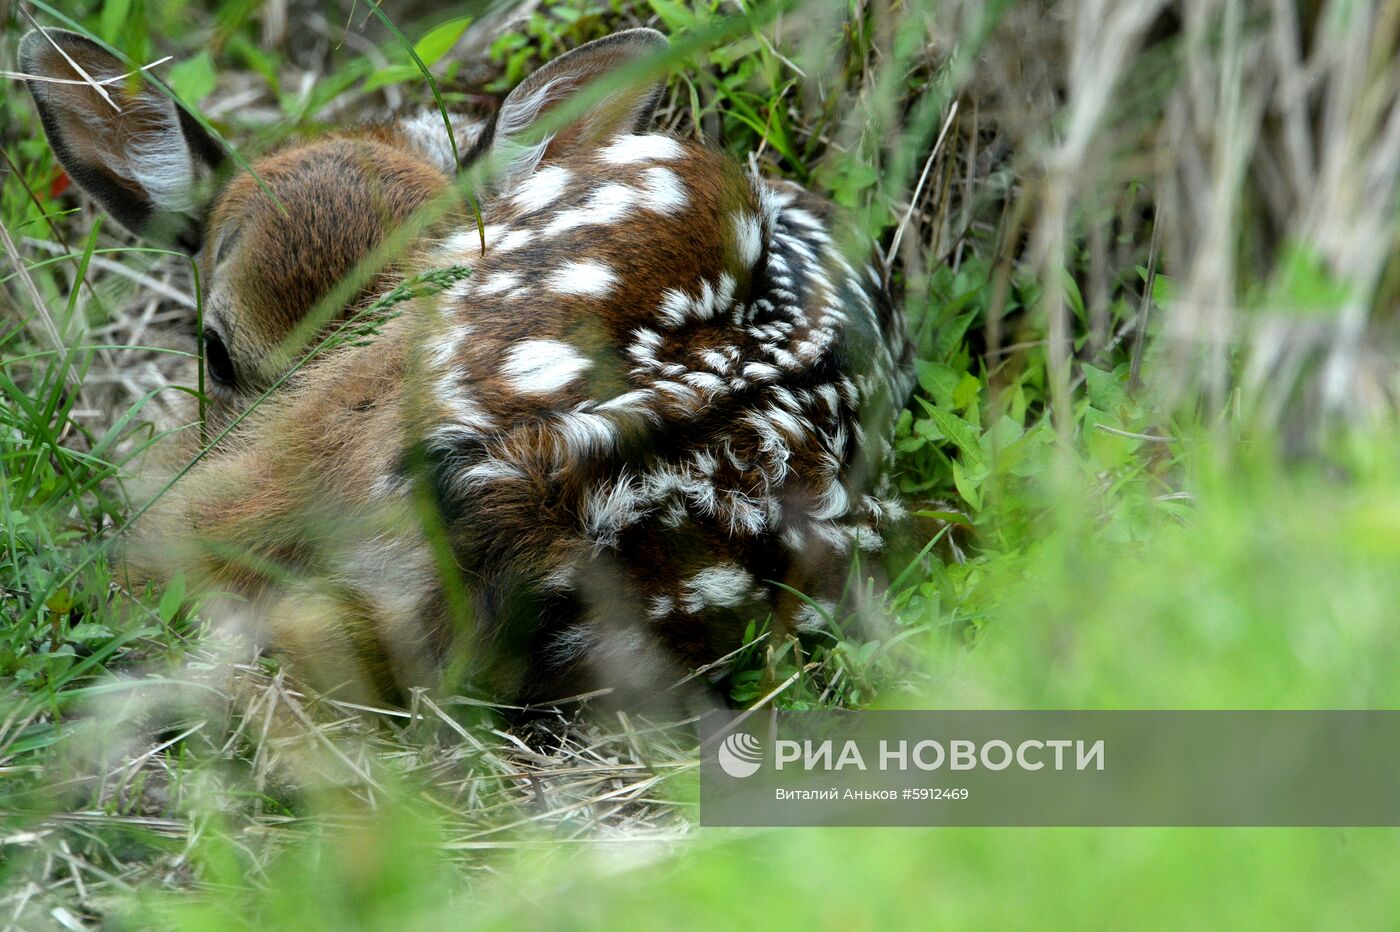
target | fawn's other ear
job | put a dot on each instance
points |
(628, 109)
(136, 152)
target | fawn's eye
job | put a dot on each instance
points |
(216, 358)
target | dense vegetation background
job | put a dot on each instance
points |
(1148, 251)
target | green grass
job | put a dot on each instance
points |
(1154, 404)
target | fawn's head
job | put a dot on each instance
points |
(293, 246)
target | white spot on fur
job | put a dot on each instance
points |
(664, 190)
(749, 237)
(772, 201)
(542, 188)
(832, 503)
(464, 243)
(536, 366)
(609, 509)
(866, 539)
(726, 586)
(674, 306)
(385, 486)
(464, 415)
(572, 643)
(683, 396)
(707, 382)
(560, 579)
(488, 471)
(583, 277)
(608, 204)
(630, 148)
(633, 402)
(677, 307)
(445, 350)
(584, 432)
(809, 617)
(511, 240)
(501, 281)
(760, 372)
(715, 361)
(644, 349)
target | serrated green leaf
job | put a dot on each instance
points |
(950, 334)
(962, 434)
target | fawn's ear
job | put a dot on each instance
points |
(628, 109)
(136, 152)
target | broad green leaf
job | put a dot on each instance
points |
(440, 39)
(939, 380)
(1109, 450)
(194, 78)
(1002, 434)
(1304, 283)
(88, 631)
(393, 74)
(61, 602)
(903, 423)
(675, 16)
(114, 17)
(967, 486)
(171, 599)
(1162, 286)
(969, 390)
(1105, 389)
(1074, 296)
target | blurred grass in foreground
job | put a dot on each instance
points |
(1279, 591)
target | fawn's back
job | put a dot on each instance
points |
(653, 409)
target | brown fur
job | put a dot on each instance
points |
(619, 488)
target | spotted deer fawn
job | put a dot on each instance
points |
(652, 410)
